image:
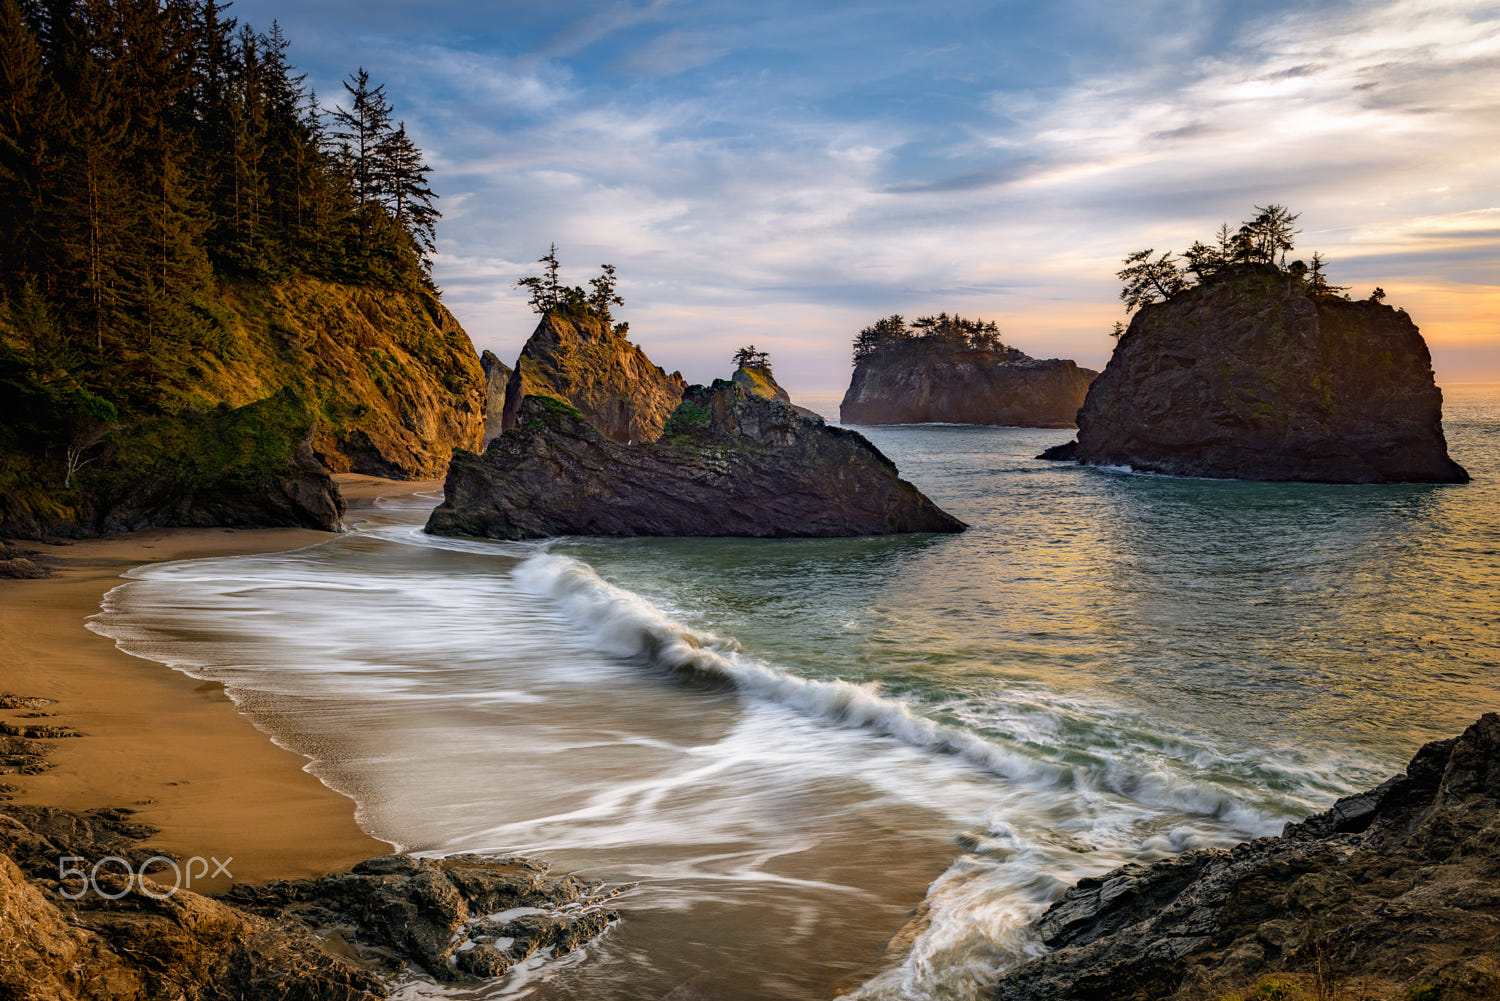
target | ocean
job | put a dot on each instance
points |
(862, 766)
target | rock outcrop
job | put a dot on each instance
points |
(1400, 884)
(1249, 376)
(335, 938)
(920, 382)
(729, 462)
(496, 378)
(580, 359)
(761, 382)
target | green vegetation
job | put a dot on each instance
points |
(1262, 242)
(1422, 992)
(164, 174)
(927, 333)
(550, 295)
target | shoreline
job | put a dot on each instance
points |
(170, 747)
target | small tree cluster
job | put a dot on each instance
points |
(748, 358)
(942, 329)
(1264, 239)
(549, 294)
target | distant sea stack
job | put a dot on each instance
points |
(955, 371)
(728, 463)
(578, 357)
(1254, 375)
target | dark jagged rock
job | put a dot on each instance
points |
(919, 383)
(1250, 377)
(582, 361)
(446, 916)
(1401, 883)
(496, 378)
(1060, 453)
(729, 462)
(761, 382)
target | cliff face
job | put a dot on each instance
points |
(1249, 377)
(917, 384)
(398, 381)
(496, 378)
(729, 462)
(1401, 884)
(581, 360)
(239, 421)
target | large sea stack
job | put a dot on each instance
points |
(919, 382)
(729, 462)
(1397, 889)
(577, 357)
(1252, 375)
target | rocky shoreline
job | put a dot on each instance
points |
(74, 932)
(1396, 889)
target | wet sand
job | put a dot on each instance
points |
(168, 746)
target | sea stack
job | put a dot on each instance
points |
(728, 463)
(1254, 375)
(759, 380)
(944, 370)
(577, 357)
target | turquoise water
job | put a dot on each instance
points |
(790, 745)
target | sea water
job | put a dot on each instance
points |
(862, 766)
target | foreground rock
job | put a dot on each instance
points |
(729, 462)
(580, 359)
(1249, 376)
(336, 938)
(920, 382)
(1400, 884)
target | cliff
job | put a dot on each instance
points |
(1399, 885)
(580, 359)
(496, 378)
(761, 382)
(917, 382)
(1249, 376)
(239, 423)
(729, 462)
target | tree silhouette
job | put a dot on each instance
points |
(1147, 279)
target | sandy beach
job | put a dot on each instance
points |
(168, 746)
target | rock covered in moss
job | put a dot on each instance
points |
(919, 382)
(580, 359)
(1251, 377)
(729, 462)
(761, 382)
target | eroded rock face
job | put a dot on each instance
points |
(1401, 883)
(583, 362)
(761, 382)
(1249, 377)
(918, 384)
(729, 462)
(496, 378)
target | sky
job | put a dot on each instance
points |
(784, 173)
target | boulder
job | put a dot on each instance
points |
(580, 359)
(1399, 884)
(729, 462)
(1251, 376)
(920, 382)
(759, 380)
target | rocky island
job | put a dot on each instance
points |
(577, 356)
(728, 462)
(1260, 372)
(1398, 887)
(955, 371)
(752, 371)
